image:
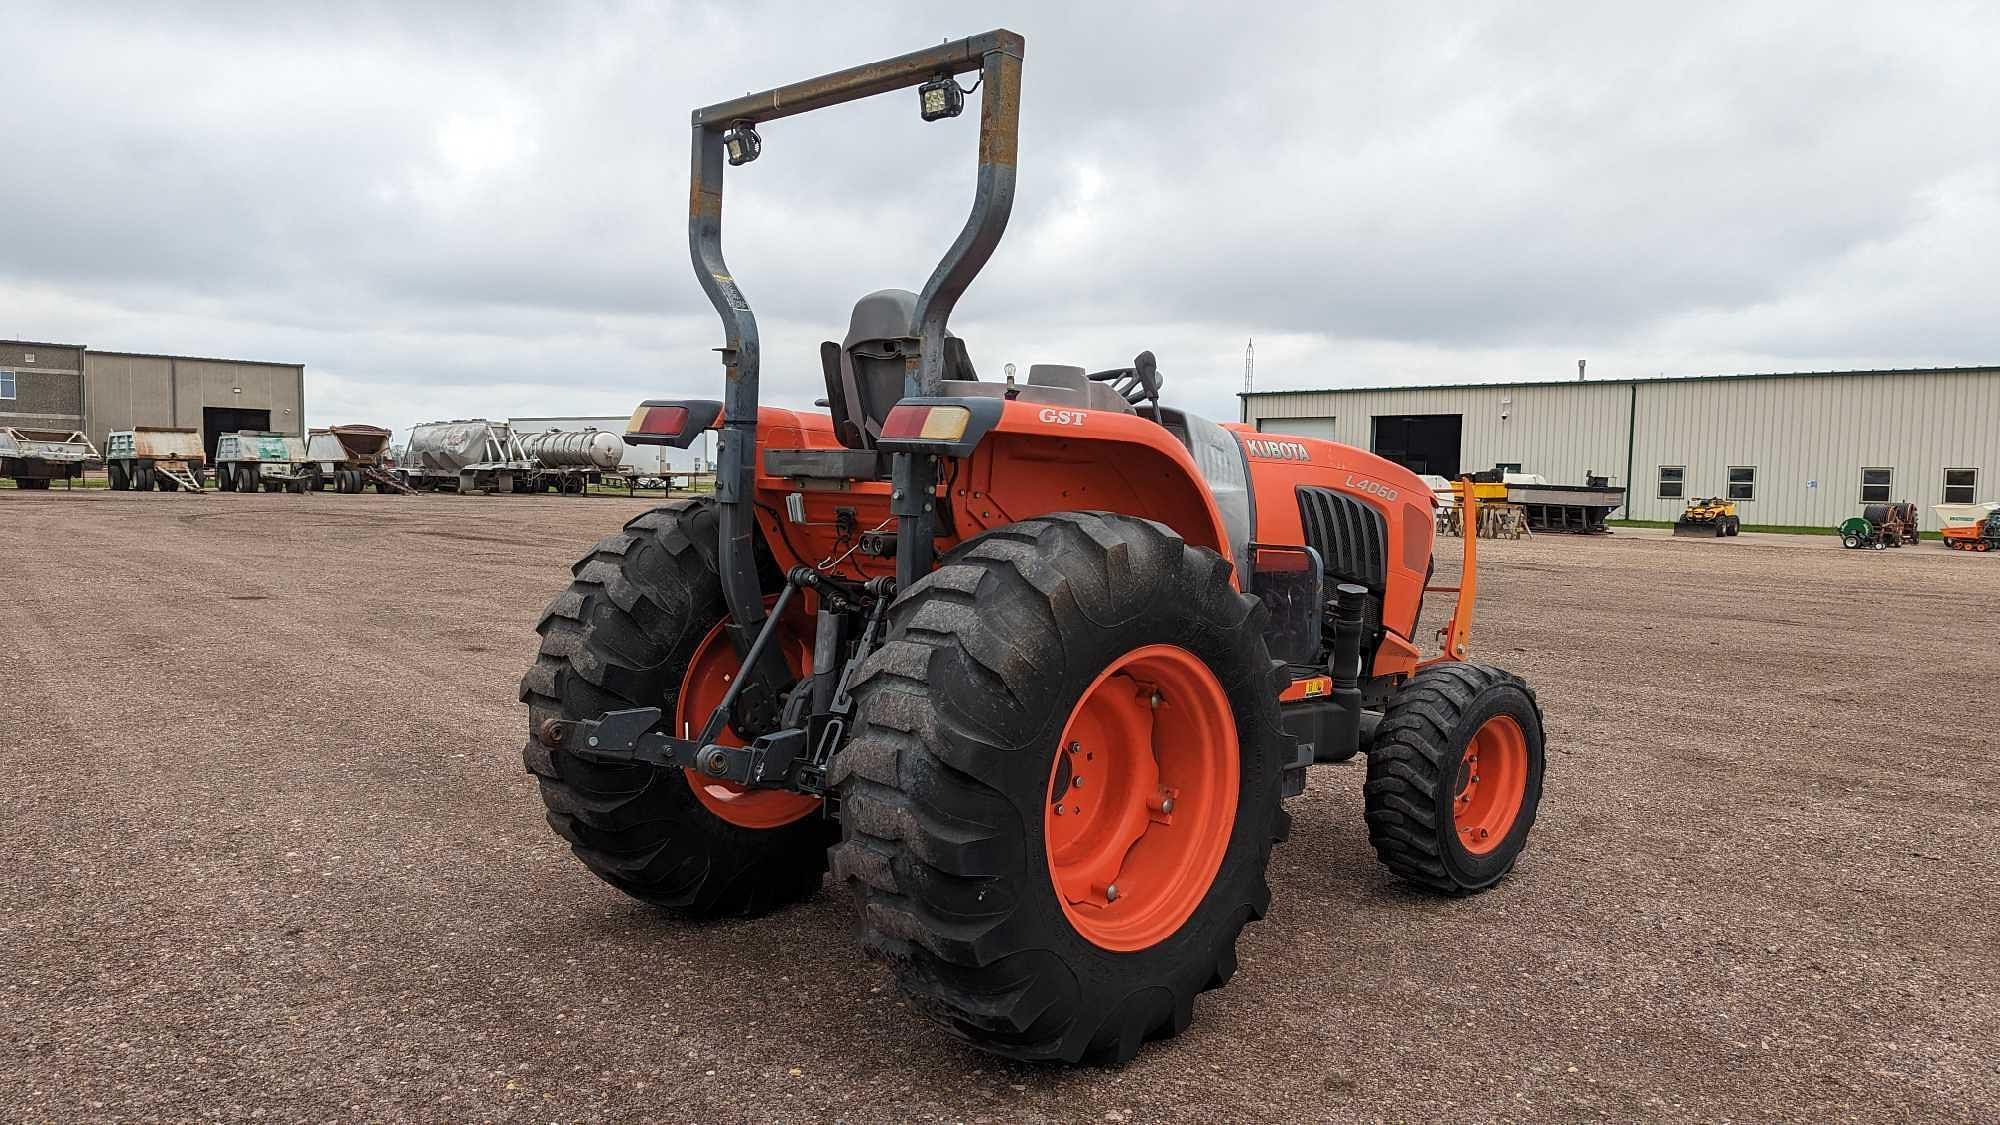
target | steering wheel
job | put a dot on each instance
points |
(1135, 384)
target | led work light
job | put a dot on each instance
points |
(940, 98)
(741, 144)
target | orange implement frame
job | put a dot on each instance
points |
(1456, 636)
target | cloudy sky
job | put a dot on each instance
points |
(456, 209)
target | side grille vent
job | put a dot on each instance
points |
(1351, 537)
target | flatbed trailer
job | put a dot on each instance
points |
(36, 457)
(155, 458)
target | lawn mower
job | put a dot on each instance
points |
(1032, 663)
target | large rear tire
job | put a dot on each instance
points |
(1455, 778)
(114, 474)
(644, 606)
(1032, 659)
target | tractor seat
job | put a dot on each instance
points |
(865, 372)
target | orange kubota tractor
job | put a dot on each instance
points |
(1034, 663)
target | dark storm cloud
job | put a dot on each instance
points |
(464, 206)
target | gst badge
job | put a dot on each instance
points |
(1063, 417)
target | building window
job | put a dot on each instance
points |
(1318, 426)
(1875, 485)
(6, 384)
(1961, 486)
(1742, 482)
(1508, 466)
(1673, 482)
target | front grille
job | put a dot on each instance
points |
(1351, 537)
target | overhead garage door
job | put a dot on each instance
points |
(1421, 443)
(1298, 427)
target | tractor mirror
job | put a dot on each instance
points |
(1291, 584)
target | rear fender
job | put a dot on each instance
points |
(1035, 459)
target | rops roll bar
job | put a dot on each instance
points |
(997, 56)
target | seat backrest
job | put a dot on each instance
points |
(865, 371)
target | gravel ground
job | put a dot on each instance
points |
(270, 852)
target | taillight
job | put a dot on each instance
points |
(926, 423)
(675, 423)
(667, 421)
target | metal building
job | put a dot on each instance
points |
(1806, 448)
(646, 460)
(72, 387)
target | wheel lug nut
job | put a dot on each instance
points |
(1111, 893)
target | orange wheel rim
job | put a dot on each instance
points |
(702, 688)
(1492, 781)
(1141, 798)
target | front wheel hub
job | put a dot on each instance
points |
(1492, 779)
(1141, 797)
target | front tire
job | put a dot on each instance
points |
(644, 608)
(1041, 653)
(1455, 778)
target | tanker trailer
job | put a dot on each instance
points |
(459, 455)
(145, 458)
(570, 461)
